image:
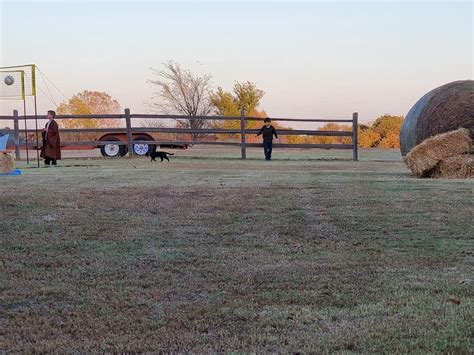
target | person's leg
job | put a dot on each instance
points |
(47, 160)
(265, 149)
(270, 150)
(54, 161)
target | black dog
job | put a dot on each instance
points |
(161, 155)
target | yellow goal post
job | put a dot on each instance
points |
(24, 81)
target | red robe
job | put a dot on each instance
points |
(51, 143)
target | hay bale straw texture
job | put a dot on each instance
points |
(425, 156)
(6, 162)
(458, 167)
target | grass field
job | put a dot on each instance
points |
(227, 255)
(206, 151)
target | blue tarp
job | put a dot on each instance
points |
(3, 141)
(14, 172)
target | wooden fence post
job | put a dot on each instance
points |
(242, 135)
(16, 128)
(355, 118)
(128, 122)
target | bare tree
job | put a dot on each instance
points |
(152, 123)
(181, 92)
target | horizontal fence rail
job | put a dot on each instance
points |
(175, 117)
(129, 131)
(281, 132)
(235, 144)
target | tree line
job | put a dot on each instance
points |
(179, 91)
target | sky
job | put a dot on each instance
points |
(313, 59)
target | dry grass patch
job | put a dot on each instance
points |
(213, 256)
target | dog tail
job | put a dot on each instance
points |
(169, 153)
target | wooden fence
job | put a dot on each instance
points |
(243, 132)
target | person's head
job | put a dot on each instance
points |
(51, 115)
(267, 121)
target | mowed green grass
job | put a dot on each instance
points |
(228, 255)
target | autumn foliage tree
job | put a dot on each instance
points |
(383, 133)
(334, 139)
(389, 129)
(86, 103)
(368, 137)
(244, 96)
(302, 139)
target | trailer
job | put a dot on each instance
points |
(109, 150)
(141, 149)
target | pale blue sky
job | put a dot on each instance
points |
(313, 59)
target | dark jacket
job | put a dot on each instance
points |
(268, 133)
(51, 143)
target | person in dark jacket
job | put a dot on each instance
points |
(268, 131)
(51, 149)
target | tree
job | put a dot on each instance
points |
(248, 96)
(391, 140)
(368, 137)
(181, 92)
(383, 133)
(388, 124)
(225, 103)
(245, 96)
(86, 103)
(332, 139)
(152, 123)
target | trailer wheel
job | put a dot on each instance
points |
(143, 149)
(113, 150)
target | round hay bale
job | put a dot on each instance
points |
(6, 162)
(443, 109)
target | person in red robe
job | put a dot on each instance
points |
(51, 149)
